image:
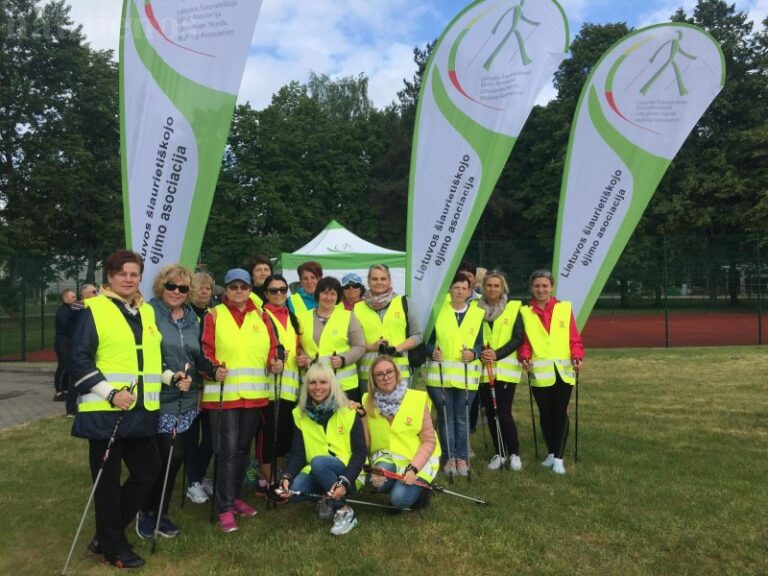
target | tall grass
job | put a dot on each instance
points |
(671, 479)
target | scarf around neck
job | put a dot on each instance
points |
(380, 301)
(322, 412)
(493, 312)
(389, 404)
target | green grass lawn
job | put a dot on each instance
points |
(671, 479)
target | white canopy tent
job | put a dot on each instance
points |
(340, 252)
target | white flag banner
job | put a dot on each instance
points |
(479, 87)
(181, 64)
(638, 106)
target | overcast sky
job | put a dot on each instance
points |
(373, 37)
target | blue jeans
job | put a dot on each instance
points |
(324, 472)
(455, 435)
(400, 495)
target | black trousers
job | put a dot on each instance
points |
(553, 414)
(505, 396)
(152, 503)
(116, 505)
(233, 431)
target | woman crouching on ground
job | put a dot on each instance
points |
(402, 436)
(328, 448)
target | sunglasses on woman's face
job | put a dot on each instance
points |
(351, 286)
(281, 290)
(171, 287)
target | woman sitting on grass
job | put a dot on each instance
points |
(327, 451)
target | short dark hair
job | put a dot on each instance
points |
(328, 283)
(120, 258)
(461, 277)
(542, 273)
(259, 259)
(310, 266)
(467, 266)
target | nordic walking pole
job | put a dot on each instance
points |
(423, 484)
(499, 439)
(533, 420)
(218, 446)
(96, 481)
(445, 420)
(276, 413)
(312, 495)
(466, 414)
(168, 465)
(576, 431)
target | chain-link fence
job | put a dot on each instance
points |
(665, 291)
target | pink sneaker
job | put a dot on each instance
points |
(244, 509)
(227, 522)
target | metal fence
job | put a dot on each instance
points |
(665, 291)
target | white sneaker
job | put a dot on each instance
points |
(496, 462)
(549, 460)
(207, 486)
(196, 493)
(343, 521)
(558, 467)
(515, 463)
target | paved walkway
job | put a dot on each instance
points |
(26, 393)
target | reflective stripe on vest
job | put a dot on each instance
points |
(244, 349)
(289, 389)
(506, 369)
(117, 358)
(399, 441)
(452, 338)
(392, 328)
(551, 351)
(333, 339)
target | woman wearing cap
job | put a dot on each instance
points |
(236, 340)
(328, 448)
(353, 290)
(114, 382)
(182, 363)
(502, 336)
(260, 267)
(390, 325)
(332, 335)
(310, 274)
(274, 438)
(454, 373)
(401, 432)
(551, 353)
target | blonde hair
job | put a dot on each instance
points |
(499, 275)
(200, 279)
(322, 370)
(166, 274)
(369, 406)
(383, 267)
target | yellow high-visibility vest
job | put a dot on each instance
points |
(399, 442)
(291, 382)
(245, 350)
(332, 340)
(392, 328)
(506, 369)
(117, 358)
(550, 350)
(452, 339)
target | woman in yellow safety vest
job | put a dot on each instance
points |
(310, 274)
(284, 334)
(551, 353)
(453, 374)
(402, 438)
(236, 340)
(327, 451)
(117, 364)
(331, 334)
(390, 324)
(502, 336)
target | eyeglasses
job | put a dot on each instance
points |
(171, 287)
(282, 290)
(351, 286)
(234, 286)
(385, 375)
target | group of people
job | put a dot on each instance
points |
(319, 378)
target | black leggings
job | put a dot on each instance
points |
(152, 503)
(505, 395)
(553, 414)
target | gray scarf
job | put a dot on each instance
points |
(389, 404)
(493, 312)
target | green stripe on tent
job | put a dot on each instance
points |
(343, 261)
